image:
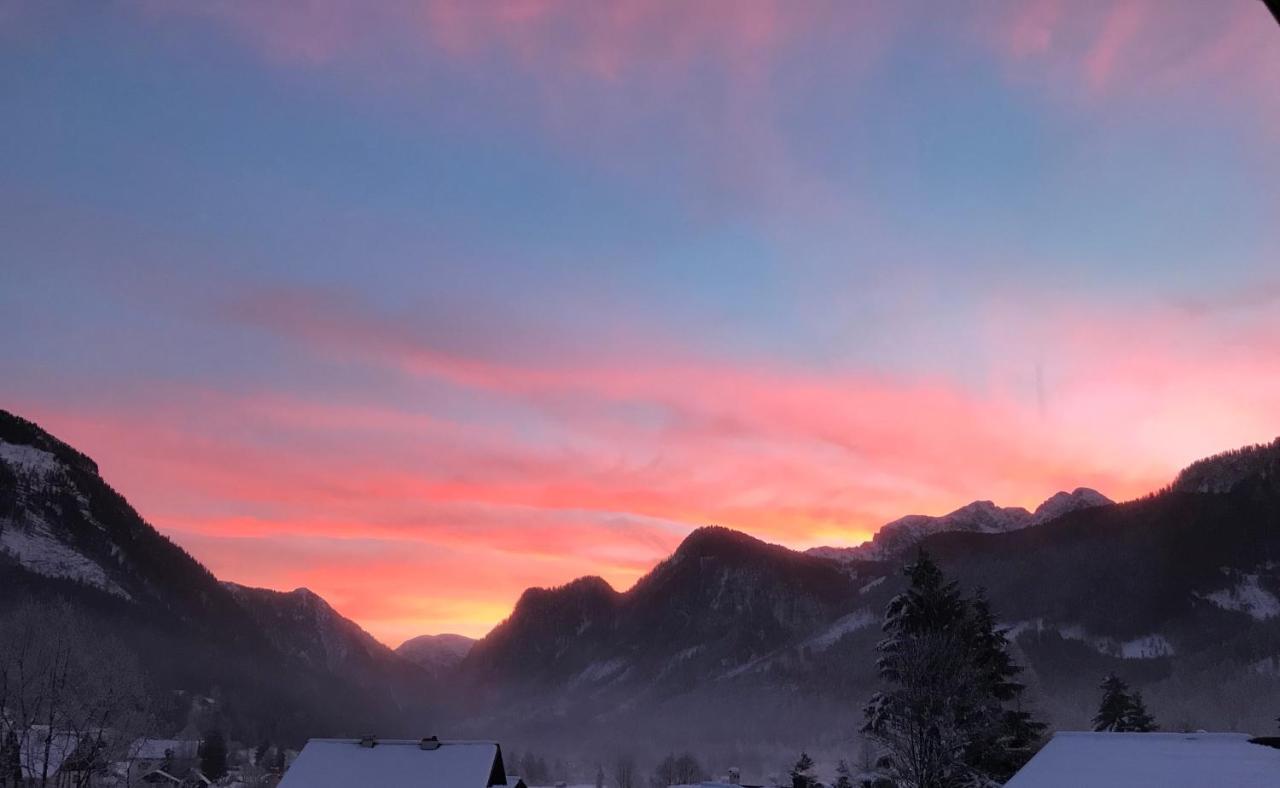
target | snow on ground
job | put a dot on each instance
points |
(29, 459)
(1246, 597)
(1147, 647)
(35, 547)
(1152, 646)
(856, 620)
(871, 585)
(599, 671)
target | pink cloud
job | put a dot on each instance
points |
(1207, 52)
(1031, 32)
(1122, 24)
(646, 448)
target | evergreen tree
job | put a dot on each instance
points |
(1004, 738)
(952, 712)
(1113, 711)
(213, 756)
(931, 603)
(1137, 718)
(844, 776)
(800, 773)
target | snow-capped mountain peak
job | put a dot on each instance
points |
(896, 537)
(1061, 503)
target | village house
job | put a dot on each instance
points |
(192, 779)
(399, 763)
(1151, 760)
(50, 755)
(162, 762)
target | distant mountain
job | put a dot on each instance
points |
(720, 598)
(286, 663)
(733, 639)
(1061, 503)
(301, 624)
(728, 643)
(436, 654)
(894, 539)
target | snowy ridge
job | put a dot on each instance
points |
(1062, 503)
(895, 538)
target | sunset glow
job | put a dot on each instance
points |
(424, 305)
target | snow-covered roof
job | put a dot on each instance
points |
(1154, 760)
(396, 763)
(32, 754)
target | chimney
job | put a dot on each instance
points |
(368, 741)
(429, 743)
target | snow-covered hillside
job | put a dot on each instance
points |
(33, 530)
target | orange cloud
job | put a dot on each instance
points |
(599, 465)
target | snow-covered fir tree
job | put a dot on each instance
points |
(951, 714)
(802, 773)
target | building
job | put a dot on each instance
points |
(49, 754)
(170, 755)
(1151, 760)
(399, 763)
(193, 779)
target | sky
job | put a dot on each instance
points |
(424, 302)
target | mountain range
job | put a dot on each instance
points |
(984, 517)
(739, 646)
